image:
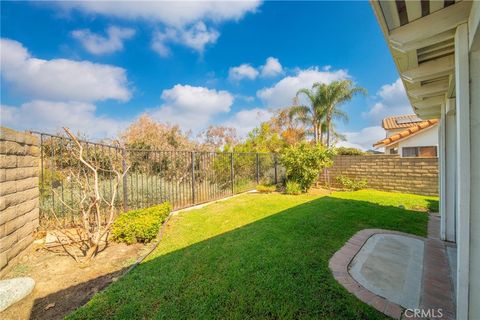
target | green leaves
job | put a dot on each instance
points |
(304, 162)
(352, 184)
(293, 188)
(140, 225)
(266, 188)
(261, 139)
(325, 100)
(345, 151)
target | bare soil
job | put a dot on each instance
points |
(319, 191)
(63, 285)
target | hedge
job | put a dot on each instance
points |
(141, 225)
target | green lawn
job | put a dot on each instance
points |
(257, 256)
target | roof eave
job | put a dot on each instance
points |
(382, 144)
(407, 43)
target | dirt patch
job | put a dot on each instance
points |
(318, 191)
(62, 285)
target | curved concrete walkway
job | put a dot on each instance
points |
(394, 271)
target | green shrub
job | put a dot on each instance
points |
(344, 151)
(293, 187)
(266, 188)
(352, 184)
(140, 225)
(304, 162)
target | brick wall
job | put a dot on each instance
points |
(388, 173)
(19, 193)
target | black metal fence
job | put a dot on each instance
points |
(184, 178)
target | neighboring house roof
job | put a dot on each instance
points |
(413, 130)
(400, 122)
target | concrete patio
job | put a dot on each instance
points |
(401, 275)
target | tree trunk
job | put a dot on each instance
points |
(92, 252)
(328, 132)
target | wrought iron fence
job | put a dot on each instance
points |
(184, 178)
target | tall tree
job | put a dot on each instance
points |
(216, 138)
(146, 133)
(262, 139)
(331, 97)
(312, 114)
(284, 122)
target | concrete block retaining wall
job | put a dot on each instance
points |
(19, 193)
(385, 172)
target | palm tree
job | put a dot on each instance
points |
(312, 115)
(331, 96)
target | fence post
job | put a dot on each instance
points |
(125, 179)
(232, 173)
(193, 177)
(257, 169)
(276, 171)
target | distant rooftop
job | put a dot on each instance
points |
(410, 131)
(400, 122)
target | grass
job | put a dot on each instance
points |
(262, 256)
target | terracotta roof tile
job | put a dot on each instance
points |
(400, 122)
(405, 133)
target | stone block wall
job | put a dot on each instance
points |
(19, 193)
(387, 173)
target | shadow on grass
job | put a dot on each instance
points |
(432, 205)
(273, 268)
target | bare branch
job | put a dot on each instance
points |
(97, 209)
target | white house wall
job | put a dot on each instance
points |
(474, 37)
(425, 138)
(475, 186)
(462, 96)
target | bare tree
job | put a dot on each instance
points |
(96, 210)
(216, 138)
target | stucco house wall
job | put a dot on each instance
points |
(428, 137)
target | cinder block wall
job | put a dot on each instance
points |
(387, 173)
(19, 193)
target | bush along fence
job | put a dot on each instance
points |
(183, 178)
(384, 172)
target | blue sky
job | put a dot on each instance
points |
(97, 66)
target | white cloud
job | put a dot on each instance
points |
(98, 44)
(185, 21)
(191, 107)
(172, 13)
(48, 116)
(362, 139)
(393, 100)
(245, 121)
(60, 79)
(281, 94)
(243, 71)
(271, 68)
(196, 37)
